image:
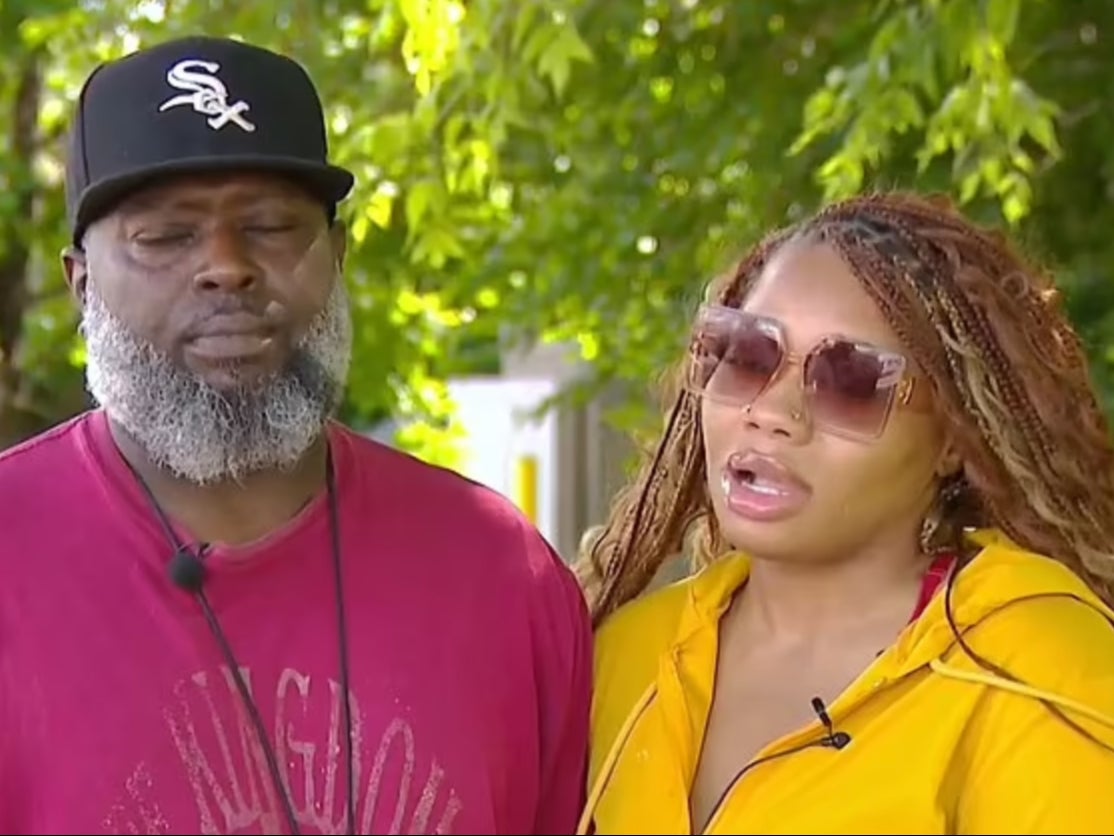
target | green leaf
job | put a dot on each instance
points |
(1043, 129)
(425, 197)
(557, 59)
(1002, 17)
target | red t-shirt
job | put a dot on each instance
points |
(469, 647)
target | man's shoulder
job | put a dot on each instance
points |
(451, 505)
(43, 483)
(48, 448)
(405, 472)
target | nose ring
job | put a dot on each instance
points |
(795, 414)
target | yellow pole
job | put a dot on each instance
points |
(526, 486)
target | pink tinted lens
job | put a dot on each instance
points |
(736, 355)
(851, 387)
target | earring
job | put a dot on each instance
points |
(950, 492)
(929, 527)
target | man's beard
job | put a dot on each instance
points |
(207, 435)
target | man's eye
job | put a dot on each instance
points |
(163, 239)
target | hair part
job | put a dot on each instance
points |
(1010, 376)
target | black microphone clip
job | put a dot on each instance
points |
(186, 570)
(837, 740)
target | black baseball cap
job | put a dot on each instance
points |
(196, 104)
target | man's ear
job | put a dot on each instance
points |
(338, 233)
(77, 272)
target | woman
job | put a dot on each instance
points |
(889, 459)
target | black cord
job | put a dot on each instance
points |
(253, 710)
(342, 637)
(342, 640)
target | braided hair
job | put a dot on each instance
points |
(1009, 375)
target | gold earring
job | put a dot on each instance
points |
(949, 493)
(929, 527)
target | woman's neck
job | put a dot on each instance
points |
(802, 600)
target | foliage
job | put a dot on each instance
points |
(575, 170)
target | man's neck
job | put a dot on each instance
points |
(230, 512)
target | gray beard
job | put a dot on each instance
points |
(206, 435)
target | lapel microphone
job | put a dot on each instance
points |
(833, 738)
(186, 570)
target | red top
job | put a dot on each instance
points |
(470, 657)
(935, 576)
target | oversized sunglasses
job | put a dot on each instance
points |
(850, 387)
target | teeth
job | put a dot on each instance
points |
(766, 490)
(752, 483)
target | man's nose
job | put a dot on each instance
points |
(227, 263)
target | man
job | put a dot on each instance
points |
(221, 611)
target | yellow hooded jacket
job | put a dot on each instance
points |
(937, 743)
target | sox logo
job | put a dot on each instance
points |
(207, 94)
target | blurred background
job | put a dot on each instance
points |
(545, 186)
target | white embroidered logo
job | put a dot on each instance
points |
(208, 95)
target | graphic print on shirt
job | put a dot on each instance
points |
(225, 768)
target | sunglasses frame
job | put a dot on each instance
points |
(905, 393)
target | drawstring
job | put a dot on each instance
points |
(1024, 690)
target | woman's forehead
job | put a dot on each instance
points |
(811, 290)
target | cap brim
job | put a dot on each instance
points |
(329, 183)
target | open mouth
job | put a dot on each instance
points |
(761, 488)
(750, 479)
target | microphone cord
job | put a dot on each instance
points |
(187, 571)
